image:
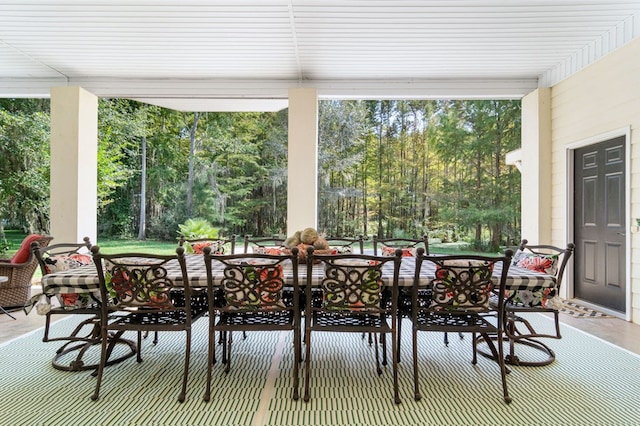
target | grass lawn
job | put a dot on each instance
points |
(111, 245)
(15, 237)
(151, 246)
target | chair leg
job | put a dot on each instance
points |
(383, 341)
(223, 341)
(399, 334)
(211, 357)
(228, 351)
(557, 321)
(103, 361)
(416, 389)
(296, 363)
(503, 368)
(446, 339)
(375, 341)
(475, 349)
(47, 323)
(307, 364)
(4, 311)
(138, 352)
(183, 393)
(394, 361)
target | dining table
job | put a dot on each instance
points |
(84, 279)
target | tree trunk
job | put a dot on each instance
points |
(192, 159)
(142, 226)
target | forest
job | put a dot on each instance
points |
(391, 168)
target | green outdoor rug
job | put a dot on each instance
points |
(590, 383)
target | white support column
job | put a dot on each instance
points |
(302, 192)
(74, 164)
(536, 166)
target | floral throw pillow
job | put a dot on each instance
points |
(217, 247)
(268, 250)
(391, 251)
(545, 264)
(253, 287)
(352, 284)
(341, 249)
(141, 285)
(452, 287)
(60, 263)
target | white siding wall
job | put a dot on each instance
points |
(602, 98)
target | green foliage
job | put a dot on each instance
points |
(24, 169)
(391, 168)
(197, 228)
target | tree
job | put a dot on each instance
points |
(24, 169)
(342, 137)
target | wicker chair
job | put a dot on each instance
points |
(16, 291)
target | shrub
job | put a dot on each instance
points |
(197, 228)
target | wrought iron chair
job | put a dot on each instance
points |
(247, 294)
(409, 246)
(544, 259)
(356, 298)
(58, 258)
(461, 292)
(346, 244)
(19, 270)
(142, 297)
(260, 244)
(218, 245)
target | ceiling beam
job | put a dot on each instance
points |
(276, 89)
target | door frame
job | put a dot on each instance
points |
(569, 211)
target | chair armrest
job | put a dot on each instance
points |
(6, 264)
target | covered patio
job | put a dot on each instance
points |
(573, 63)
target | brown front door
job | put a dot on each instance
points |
(599, 209)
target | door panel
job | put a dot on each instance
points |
(599, 220)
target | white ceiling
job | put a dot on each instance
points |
(225, 54)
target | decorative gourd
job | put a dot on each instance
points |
(308, 236)
(321, 244)
(293, 240)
